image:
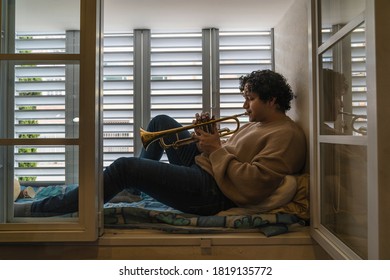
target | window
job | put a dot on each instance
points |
(351, 116)
(47, 127)
(176, 73)
(118, 96)
(46, 106)
(240, 53)
(341, 143)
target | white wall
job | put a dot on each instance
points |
(292, 60)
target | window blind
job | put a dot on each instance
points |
(176, 75)
(40, 102)
(118, 96)
(241, 52)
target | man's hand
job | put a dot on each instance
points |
(207, 136)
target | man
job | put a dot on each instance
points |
(209, 176)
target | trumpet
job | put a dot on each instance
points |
(148, 138)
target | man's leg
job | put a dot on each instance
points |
(188, 189)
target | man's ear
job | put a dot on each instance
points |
(272, 101)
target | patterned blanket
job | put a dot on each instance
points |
(174, 222)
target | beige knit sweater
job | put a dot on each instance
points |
(255, 159)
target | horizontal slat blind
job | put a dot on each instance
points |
(118, 96)
(40, 43)
(176, 75)
(240, 53)
(40, 101)
(359, 85)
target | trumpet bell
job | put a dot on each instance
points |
(147, 138)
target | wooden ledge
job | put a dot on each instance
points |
(141, 237)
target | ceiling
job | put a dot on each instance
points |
(125, 15)
(187, 14)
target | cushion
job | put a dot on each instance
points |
(16, 189)
(281, 196)
(300, 204)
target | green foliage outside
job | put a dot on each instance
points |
(28, 135)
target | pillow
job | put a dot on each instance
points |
(300, 204)
(16, 189)
(126, 196)
(281, 196)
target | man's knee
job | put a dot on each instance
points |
(161, 122)
(123, 162)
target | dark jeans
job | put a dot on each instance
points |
(180, 184)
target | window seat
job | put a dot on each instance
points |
(152, 244)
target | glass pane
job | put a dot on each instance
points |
(344, 194)
(40, 101)
(30, 173)
(45, 100)
(42, 26)
(337, 13)
(343, 89)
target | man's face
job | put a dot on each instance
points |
(257, 109)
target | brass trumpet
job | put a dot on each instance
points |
(148, 138)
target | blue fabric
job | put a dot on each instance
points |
(44, 192)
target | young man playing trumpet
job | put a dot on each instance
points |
(208, 176)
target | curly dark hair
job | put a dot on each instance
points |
(267, 85)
